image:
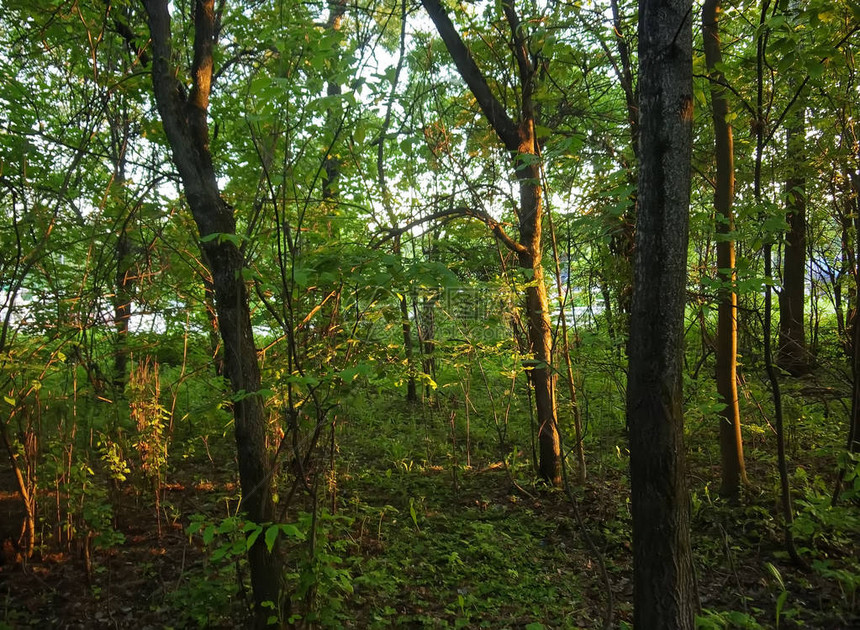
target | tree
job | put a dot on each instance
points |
(184, 116)
(664, 590)
(792, 355)
(731, 441)
(519, 137)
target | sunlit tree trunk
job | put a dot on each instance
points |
(519, 139)
(664, 589)
(731, 442)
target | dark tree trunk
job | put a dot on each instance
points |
(843, 303)
(120, 133)
(518, 137)
(854, 430)
(331, 164)
(402, 300)
(664, 594)
(767, 324)
(121, 305)
(731, 442)
(184, 120)
(853, 444)
(408, 346)
(793, 355)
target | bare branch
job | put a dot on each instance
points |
(495, 226)
(502, 124)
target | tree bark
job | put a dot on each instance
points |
(664, 593)
(731, 441)
(185, 124)
(519, 139)
(853, 445)
(854, 430)
(402, 300)
(793, 355)
(122, 252)
(331, 164)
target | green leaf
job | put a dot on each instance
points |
(272, 536)
(814, 68)
(775, 573)
(208, 534)
(780, 602)
(301, 276)
(292, 531)
(219, 553)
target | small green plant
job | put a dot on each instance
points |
(148, 415)
(723, 620)
(322, 581)
(113, 458)
(848, 578)
(228, 542)
(783, 594)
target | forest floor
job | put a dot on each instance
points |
(419, 539)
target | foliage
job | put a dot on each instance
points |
(335, 147)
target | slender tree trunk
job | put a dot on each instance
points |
(844, 240)
(664, 590)
(408, 346)
(767, 328)
(565, 346)
(185, 124)
(24, 480)
(731, 441)
(793, 354)
(519, 139)
(120, 133)
(539, 330)
(623, 232)
(853, 444)
(122, 305)
(331, 165)
(854, 431)
(403, 303)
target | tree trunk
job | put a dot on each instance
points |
(565, 347)
(793, 355)
(731, 442)
(767, 324)
(664, 592)
(331, 164)
(853, 445)
(403, 304)
(518, 138)
(846, 267)
(121, 304)
(123, 217)
(185, 124)
(854, 430)
(543, 376)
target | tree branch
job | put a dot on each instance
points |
(520, 50)
(503, 125)
(495, 226)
